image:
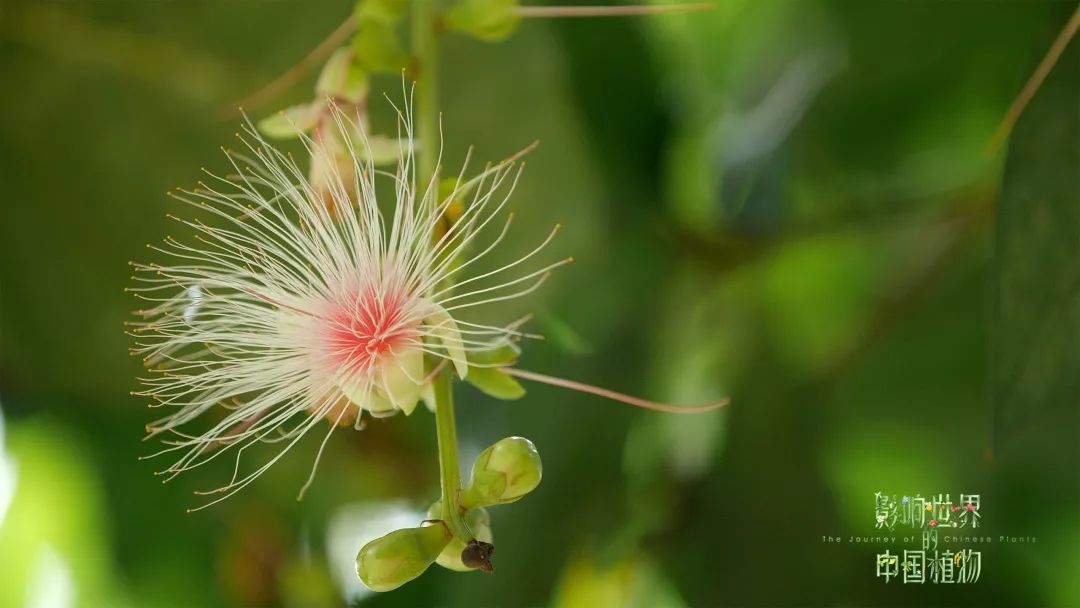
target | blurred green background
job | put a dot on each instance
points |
(787, 202)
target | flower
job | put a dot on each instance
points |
(308, 310)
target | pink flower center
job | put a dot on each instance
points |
(364, 326)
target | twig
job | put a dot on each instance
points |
(286, 80)
(1033, 83)
(609, 11)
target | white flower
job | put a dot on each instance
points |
(285, 310)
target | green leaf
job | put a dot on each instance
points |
(290, 122)
(489, 20)
(377, 46)
(1037, 308)
(495, 382)
(342, 77)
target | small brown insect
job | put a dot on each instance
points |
(477, 554)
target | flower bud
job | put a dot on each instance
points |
(488, 20)
(342, 78)
(479, 523)
(503, 473)
(389, 562)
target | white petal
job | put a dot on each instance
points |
(400, 377)
(444, 326)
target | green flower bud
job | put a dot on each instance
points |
(490, 20)
(479, 523)
(503, 473)
(342, 77)
(389, 562)
(377, 46)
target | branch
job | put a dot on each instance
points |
(609, 11)
(1033, 83)
(295, 73)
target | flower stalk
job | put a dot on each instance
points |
(449, 467)
(425, 73)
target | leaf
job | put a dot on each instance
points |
(1037, 310)
(496, 383)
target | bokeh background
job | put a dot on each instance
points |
(785, 201)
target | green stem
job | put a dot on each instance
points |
(449, 469)
(427, 101)
(427, 123)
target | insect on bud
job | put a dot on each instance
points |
(503, 473)
(477, 554)
(389, 562)
(479, 523)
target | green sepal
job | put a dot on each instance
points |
(342, 78)
(377, 47)
(489, 20)
(506, 353)
(495, 382)
(290, 122)
(484, 372)
(389, 562)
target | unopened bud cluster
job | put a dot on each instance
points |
(501, 474)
